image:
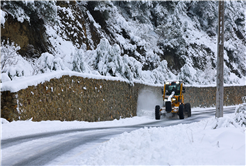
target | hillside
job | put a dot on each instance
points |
(149, 41)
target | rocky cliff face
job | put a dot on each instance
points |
(27, 29)
(162, 40)
(29, 36)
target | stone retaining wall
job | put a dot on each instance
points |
(83, 99)
(206, 96)
(71, 98)
(9, 105)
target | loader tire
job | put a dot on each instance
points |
(157, 112)
(181, 111)
(188, 109)
(168, 105)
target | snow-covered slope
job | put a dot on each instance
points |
(150, 41)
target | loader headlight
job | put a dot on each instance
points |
(173, 99)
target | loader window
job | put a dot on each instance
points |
(171, 88)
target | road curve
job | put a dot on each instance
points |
(41, 149)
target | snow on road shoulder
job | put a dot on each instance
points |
(21, 128)
(28, 127)
(212, 141)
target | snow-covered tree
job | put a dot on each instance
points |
(162, 73)
(186, 74)
(31, 10)
(46, 10)
(45, 63)
(240, 115)
(79, 63)
(13, 63)
(109, 62)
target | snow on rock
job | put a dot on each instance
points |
(23, 82)
(2, 17)
(4, 121)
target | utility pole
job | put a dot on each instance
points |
(220, 62)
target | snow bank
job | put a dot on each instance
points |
(240, 117)
(208, 142)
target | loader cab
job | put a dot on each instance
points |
(174, 86)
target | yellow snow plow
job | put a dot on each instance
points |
(173, 101)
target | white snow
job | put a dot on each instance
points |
(64, 48)
(208, 142)
(19, 83)
(27, 127)
(185, 144)
(2, 17)
(66, 55)
(24, 82)
(28, 1)
(194, 144)
(5, 77)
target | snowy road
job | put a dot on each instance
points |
(66, 147)
(42, 148)
(196, 117)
